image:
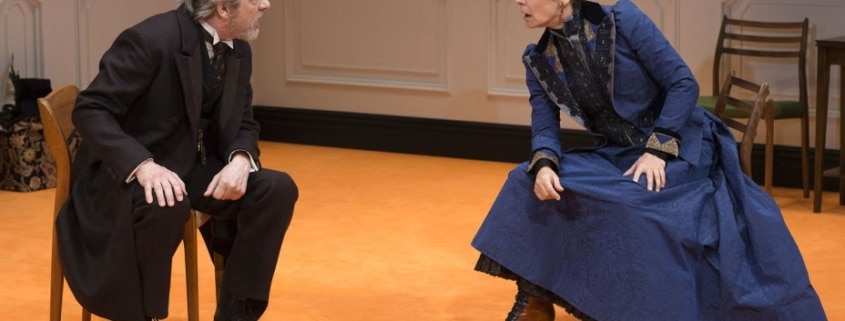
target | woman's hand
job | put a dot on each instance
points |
(654, 169)
(547, 185)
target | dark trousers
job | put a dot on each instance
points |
(248, 231)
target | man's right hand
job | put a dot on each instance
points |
(166, 185)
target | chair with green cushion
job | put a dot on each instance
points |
(783, 41)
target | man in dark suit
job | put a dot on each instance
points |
(167, 125)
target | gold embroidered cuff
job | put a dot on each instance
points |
(664, 143)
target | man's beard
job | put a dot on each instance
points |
(249, 34)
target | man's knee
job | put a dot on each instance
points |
(286, 187)
(279, 189)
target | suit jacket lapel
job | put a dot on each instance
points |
(189, 63)
(190, 74)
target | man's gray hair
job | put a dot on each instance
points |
(201, 9)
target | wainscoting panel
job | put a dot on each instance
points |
(20, 36)
(100, 21)
(341, 43)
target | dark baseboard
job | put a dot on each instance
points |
(461, 139)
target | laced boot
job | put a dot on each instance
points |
(531, 308)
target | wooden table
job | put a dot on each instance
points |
(831, 51)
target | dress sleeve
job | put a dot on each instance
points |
(545, 119)
(666, 67)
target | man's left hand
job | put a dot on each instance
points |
(230, 183)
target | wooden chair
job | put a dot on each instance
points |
(761, 105)
(55, 111)
(781, 41)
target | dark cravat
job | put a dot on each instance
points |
(218, 62)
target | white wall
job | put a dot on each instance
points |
(457, 60)
(444, 59)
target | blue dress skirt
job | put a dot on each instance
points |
(712, 245)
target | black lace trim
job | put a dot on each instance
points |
(586, 93)
(487, 265)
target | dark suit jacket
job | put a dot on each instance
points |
(144, 103)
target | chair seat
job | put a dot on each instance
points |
(782, 108)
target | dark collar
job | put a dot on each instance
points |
(593, 12)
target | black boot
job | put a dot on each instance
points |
(234, 308)
(531, 308)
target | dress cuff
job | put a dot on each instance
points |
(541, 159)
(664, 144)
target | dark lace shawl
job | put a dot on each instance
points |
(585, 92)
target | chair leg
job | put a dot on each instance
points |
(57, 282)
(190, 247)
(86, 316)
(805, 155)
(768, 166)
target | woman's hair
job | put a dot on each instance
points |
(201, 9)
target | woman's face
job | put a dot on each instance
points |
(545, 13)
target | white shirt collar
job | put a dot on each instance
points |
(214, 34)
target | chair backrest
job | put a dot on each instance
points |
(55, 110)
(732, 93)
(764, 39)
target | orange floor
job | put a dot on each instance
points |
(375, 237)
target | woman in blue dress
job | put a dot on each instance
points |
(655, 222)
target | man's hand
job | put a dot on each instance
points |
(547, 185)
(230, 183)
(654, 170)
(166, 185)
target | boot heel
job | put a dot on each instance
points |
(531, 308)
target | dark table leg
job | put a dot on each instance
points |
(841, 133)
(822, 83)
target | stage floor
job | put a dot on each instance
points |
(375, 237)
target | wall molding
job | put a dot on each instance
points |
(460, 139)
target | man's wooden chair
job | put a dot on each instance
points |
(55, 111)
(747, 124)
(776, 41)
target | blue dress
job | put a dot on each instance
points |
(711, 245)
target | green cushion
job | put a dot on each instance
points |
(783, 108)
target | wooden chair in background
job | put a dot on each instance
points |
(731, 96)
(764, 41)
(55, 111)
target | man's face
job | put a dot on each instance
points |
(243, 21)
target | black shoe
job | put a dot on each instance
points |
(234, 308)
